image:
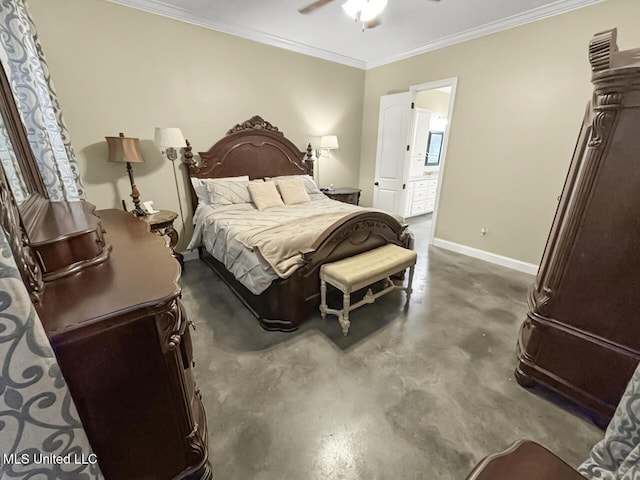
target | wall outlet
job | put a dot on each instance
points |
(483, 231)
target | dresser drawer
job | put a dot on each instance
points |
(430, 205)
(418, 206)
(432, 183)
(419, 209)
(419, 194)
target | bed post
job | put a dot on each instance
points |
(188, 160)
(308, 160)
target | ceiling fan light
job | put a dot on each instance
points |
(364, 10)
(352, 8)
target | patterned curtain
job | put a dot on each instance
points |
(28, 73)
(617, 455)
(39, 424)
(11, 167)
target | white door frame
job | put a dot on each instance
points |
(446, 82)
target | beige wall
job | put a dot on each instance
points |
(520, 100)
(117, 69)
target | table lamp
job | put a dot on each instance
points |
(127, 150)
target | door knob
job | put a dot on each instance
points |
(376, 184)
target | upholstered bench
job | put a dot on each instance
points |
(353, 273)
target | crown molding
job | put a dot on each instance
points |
(556, 8)
(176, 13)
(171, 11)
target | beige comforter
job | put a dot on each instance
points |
(280, 245)
(258, 246)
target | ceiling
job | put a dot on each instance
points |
(409, 27)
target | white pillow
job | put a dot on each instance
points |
(200, 186)
(228, 192)
(309, 183)
(265, 195)
(293, 191)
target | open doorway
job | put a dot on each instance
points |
(413, 133)
(431, 120)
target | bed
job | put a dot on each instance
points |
(259, 151)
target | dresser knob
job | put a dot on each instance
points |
(174, 341)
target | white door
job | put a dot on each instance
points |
(421, 122)
(391, 157)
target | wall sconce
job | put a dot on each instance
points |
(168, 140)
(327, 142)
(127, 150)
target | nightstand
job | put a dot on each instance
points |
(344, 194)
(161, 223)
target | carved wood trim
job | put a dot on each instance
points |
(351, 235)
(309, 160)
(601, 48)
(612, 88)
(564, 200)
(168, 325)
(254, 123)
(605, 112)
(17, 238)
(197, 443)
(256, 148)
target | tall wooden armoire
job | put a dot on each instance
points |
(581, 336)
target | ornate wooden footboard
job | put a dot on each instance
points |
(258, 149)
(288, 302)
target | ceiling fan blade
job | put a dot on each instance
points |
(313, 6)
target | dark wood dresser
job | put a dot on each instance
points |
(524, 460)
(581, 336)
(122, 340)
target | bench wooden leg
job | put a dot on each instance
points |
(344, 318)
(409, 288)
(323, 298)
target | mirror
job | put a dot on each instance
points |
(70, 237)
(18, 162)
(11, 167)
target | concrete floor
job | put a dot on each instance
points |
(419, 395)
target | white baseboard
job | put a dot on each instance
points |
(487, 256)
(190, 255)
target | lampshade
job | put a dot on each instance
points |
(169, 137)
(364, 10)
(329, 142)
(124, 149)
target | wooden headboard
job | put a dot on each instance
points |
(255, 148)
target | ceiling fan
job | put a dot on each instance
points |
(366, 12)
